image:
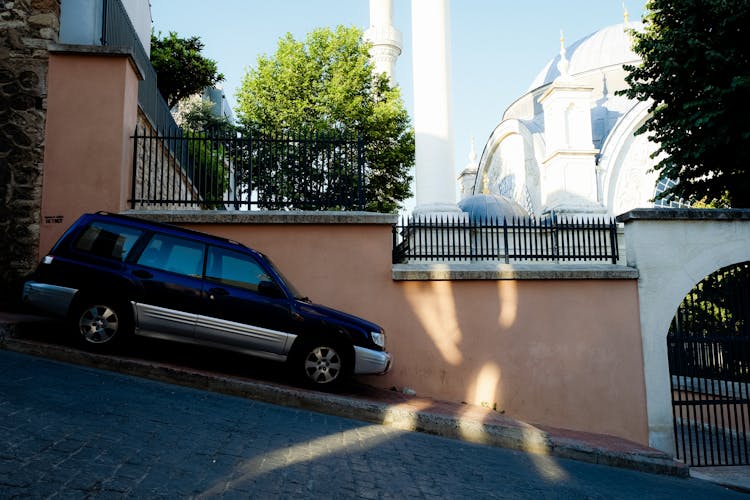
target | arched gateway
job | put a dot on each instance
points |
(709, 365)
(673, 250)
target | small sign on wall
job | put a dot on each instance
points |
(53, 219)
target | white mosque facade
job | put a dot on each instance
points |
(569, 145)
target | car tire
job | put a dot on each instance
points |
(322, 363)
(101, 324)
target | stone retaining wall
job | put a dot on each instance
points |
(26, 27)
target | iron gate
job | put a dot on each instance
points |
(709, 364)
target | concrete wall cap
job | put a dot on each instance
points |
(97, 50)
(262, 217)
(494, 271)
(686, 214)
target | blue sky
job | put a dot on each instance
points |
(497, 46)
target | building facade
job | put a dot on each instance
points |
(568, 144)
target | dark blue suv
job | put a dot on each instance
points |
(114, 275)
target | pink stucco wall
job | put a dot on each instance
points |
(92, 108)
(564, 353)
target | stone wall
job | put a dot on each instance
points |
(26, 27)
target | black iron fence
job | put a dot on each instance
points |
(236, 172)
(709, 361)
(118, 30)
(436, 238)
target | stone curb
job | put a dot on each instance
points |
(511, 434)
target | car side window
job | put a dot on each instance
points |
(176, 255)
(111, 241)
(235, 269)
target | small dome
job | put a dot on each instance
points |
(485, 207)
(606, 47)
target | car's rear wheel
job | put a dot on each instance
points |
(322, 363)
(102, 324)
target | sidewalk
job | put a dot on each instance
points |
(467, 422)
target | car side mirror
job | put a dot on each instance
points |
(271, 289)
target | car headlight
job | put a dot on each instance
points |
(378, 338)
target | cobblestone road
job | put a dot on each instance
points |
(72, 432)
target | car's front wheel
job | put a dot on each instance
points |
(322, 363)
(102, 324)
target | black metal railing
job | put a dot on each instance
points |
(436, 238)
(233, 171)
(709, 363)
(118, 30)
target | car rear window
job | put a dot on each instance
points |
(111, 241)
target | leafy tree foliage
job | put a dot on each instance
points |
(195, 114)
(181, 69)
(712, 324)
(325, 86)
(205, 152)
(206, 162)
(696, 74)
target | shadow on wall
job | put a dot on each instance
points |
(435, 305)
(562, 353)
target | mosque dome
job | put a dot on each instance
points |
(609, 46)
(485, 207)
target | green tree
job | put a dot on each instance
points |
(197, 115)
(207, 164)
(205, 153)
(181, 69)
(325, 86)
(696, 74)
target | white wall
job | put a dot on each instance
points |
(674, 250)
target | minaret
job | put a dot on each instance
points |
(433, 127)
(385, 39)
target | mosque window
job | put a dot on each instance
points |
(662, 186)
(528, 203)
(507, 186)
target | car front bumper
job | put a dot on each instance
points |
(370, 362)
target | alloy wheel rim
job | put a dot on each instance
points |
(323, 365)
(98, 324)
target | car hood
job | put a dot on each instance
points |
(327, 313)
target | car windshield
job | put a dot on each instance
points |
(283, 278)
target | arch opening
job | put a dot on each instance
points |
(708, 347)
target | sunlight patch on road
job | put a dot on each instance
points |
(536, 444)
(361, 438)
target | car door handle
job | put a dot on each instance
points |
(140, 273)
(216, 292)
